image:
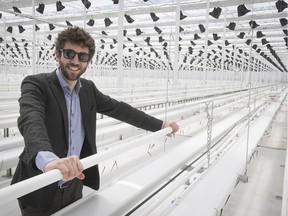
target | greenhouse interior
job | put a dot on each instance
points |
(216, 68)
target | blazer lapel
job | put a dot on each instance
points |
(83, 94)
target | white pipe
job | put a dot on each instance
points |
(19, 189)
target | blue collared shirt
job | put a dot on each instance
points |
(76, 133)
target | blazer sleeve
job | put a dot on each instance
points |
(125, 112)
(32, 117)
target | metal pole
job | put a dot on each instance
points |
(206, 40)
(120, 46)
(8, 171)
(209, 127)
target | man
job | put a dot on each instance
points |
(58, 123)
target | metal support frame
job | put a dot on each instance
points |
(209, 127)
(8, 171)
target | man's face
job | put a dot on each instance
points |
(73, 60)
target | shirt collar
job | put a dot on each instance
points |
(64, 84)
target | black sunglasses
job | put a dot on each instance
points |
(70, 54)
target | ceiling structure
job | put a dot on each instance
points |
(174, 34)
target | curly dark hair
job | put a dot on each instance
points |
(75, 35)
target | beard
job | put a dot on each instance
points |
(71, 76)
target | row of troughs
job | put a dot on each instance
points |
(151, 168)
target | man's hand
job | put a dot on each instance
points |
(70, 167)
(173, 125)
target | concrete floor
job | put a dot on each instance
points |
(262, 194)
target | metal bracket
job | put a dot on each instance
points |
(243, 178)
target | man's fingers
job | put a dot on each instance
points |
(174, 126)
(70, 167)
(81, 176)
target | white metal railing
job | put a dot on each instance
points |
(14, 191)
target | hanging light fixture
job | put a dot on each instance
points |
(216, 12)
(248, 41)
(21, 29)
(10, 29)
(216, 37)
(59, 6)
(16, 10)
(182, 16)
(283, 21)
(286, 41)
(165, 44)
(147, 40)
(40, 8)
(91, 22)
(128, 18)
(51, 27)
(242, 10)
(161, 39)
(190, 50)
(86, 3)
(227, 43)
(196, 37)
(37, 28)
(231, 26)
(138, 32)
(241, 35)
(259, 34)
(253, 24)
(158, 30)
(202, 28)
(154, 17)
(192, 42)
(264, 41)
(107, 22)
(68, 23)
(281, 5)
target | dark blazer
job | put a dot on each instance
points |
(43, 122)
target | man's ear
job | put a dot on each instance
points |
(57, 55)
